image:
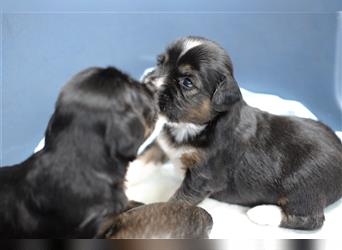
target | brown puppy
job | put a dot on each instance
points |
(159, 220)
(235, 153)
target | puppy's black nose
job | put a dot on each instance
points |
(163, 99)
(162, 106)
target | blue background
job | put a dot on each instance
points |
(289, 48)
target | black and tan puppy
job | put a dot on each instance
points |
(236, 153)
(101, 118)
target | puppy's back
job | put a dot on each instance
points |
(312, 152)
(160, 221)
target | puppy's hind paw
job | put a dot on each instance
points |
(270, 215)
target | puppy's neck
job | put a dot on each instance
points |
(184, 131)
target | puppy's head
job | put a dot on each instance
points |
(195, 81)
(107, 104)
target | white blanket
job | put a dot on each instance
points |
(151, 183)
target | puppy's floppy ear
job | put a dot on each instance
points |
(226, 94)
(57, 123)
(124, 136)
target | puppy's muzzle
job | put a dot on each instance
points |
(164, 100)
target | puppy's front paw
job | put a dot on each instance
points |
(265, 215)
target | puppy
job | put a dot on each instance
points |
(101, 118)
(158, 220)
(236, 153)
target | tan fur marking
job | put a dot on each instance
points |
(147, 131)
(153, 154)
(190, 160)
(185, 68)
(201, 113)
(283, 201)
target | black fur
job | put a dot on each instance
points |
(248, 156)
(66, 189)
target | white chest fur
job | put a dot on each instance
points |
(180, 133)
(183, 131)
(174, 153)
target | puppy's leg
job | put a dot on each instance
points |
(303, 212)
(294, 214)
(303, 222)
(194, 189)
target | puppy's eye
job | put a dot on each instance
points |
(186, 83)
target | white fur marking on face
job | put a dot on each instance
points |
(189, 44)
(40, 146)
(270, 215)
(182, 131)
(159, 82)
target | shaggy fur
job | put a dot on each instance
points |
(101, 118)
(236, 153)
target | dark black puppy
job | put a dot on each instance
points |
(101, 118)
(236, 153)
